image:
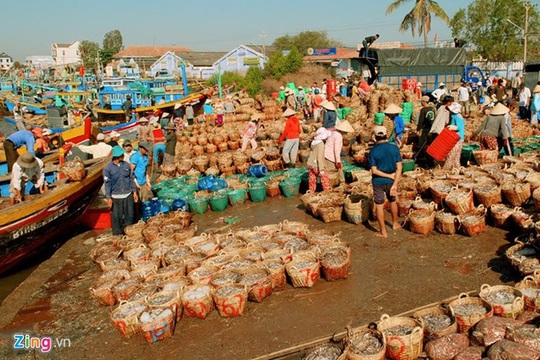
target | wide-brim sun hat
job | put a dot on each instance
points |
(289, 112)
(143, 120)
(455, 108)
(100, 136)
(47, 132)
(345, 126)
(536, 89)
(499, 109)
(177, 106)
(165, 115)
(27, 160)
(114, 134)
(117, 151)
(392, 109)
(328, 105)
(425, 98)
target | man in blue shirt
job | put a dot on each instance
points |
(139, 166)
(120, 191)
(17, 140)
(386, 167)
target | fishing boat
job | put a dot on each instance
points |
(40, 219)
(79, 135)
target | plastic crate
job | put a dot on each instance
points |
(97, 218)
(443, 144)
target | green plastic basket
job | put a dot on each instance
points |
(219, 202)
(237, 196)
(198, 205)
(257, 192)
(409, 165)
(290, 187)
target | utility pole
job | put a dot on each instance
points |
(263, 37)
(527, 7)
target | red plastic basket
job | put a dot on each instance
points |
(443, 144)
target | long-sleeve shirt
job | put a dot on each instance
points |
(493, 125)
(292, 129)
(251, 130)
(189, 112)
(97, 151)
(441, 120)
(333, 146)
(23, 137)
(458, 121)
(20, 174)
(119, 180)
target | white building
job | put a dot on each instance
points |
(64, 54)
(6, 62)
(40, 61)
(240, 60)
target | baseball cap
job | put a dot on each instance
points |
(100, 136)
(379, 131)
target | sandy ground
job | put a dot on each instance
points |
(390, 276)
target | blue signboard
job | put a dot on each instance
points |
(325, 51)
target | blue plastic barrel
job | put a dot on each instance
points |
(258, 170)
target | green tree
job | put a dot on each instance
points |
(113, 41)
(418, 20)
(253, 80)
(304, 41)
(279, 65)
(112, 44)
(484, 25)
(89, 54)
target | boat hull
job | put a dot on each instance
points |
(28, 226)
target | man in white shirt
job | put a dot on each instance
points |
(98, 150)
(463, 98)
(26, 168)
(524, 102)
(439, 93)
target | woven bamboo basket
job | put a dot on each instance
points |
(440, 190)
(436, 311)
(276, 269)
(484, 157)
(167, 300)
(297, 228)
(505, 310)
(134, 229)
(183, 166)
(210, 148)
(460, 201)
(421, 222)
(516, 193)
(307, 198)
(474, 222)
(197, 301)
(536, 199)
(420, 205)
(330, 213)
(335, 263)
(233, 144)
(531, 293)
(407, 347)
(126, 317)
(159, 328)
(488, 194)
(242, 169)
(465, 322)
(104, 294)
(501, 214)
(303, 270)
(230, 300)
(355, 347)
(356, 208)
(446, 223)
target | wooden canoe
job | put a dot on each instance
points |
(31, 224)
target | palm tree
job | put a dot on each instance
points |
(420, 16)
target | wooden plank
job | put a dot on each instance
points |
(295, 351)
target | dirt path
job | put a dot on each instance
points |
(389, 276)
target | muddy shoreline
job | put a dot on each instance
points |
(390, 276)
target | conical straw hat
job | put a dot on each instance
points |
(393, 109)
(499, 109)
(345, 127)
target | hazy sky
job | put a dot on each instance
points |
(29, 27)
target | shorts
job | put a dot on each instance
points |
(382, 192)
